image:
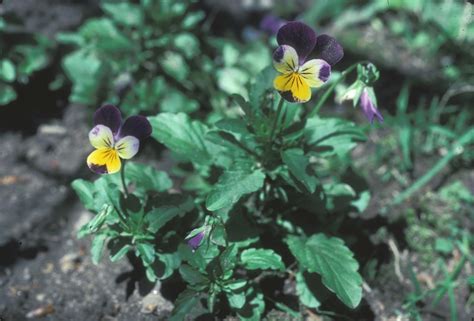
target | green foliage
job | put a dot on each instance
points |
(20, 59)
(330, 258)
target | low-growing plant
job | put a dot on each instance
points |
(256, 196)
(21, 55)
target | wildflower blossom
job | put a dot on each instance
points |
(195, 241)
(296, 42)
(115, 140)
(367, 103)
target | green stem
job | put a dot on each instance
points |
(122, 177)
(277, 116)
(331, 88)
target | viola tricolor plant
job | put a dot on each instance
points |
(262, 194)
(115, 140)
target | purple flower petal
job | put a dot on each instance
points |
(196, 240)
(108, 115)
(328, 49)
(299, 36)
(368, 108)
(136, 126)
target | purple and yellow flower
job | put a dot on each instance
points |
(115, 140)
(368, 105)
(296, 42)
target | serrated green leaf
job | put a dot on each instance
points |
(263, 259)
(232, 185)
(298, 165)
(182, 135)
(330, 258)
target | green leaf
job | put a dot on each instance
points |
(236, 299)
(7, 70)
(298, 165)
(332, 135)
(96, 223)
(184, 304)
(182, 135)
(85, 191)
(192, 276)
(104, 36)
(175, 65)
(305, 295)
(232, 80)
(86, 71)
(124, 13)
(263, 259)
(147, 252)
(97, 247)
(253, 308)
(120, 253)
(330, 258)
(260, 88)
(7, 94)
(171, 262)
(297, 246)
(232, 185)
(362, 202)
(158, 217)
(148, 178)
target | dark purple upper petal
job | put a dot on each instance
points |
(299, 36)
(108, 115)
(328, 49)
(137, 126)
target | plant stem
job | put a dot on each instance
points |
(277, 116)
(331, 89)
(122, 177)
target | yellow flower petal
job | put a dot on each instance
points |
(293, 87)
(104, 161)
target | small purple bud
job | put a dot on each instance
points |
(368, 107)
(195, 241)
(271, 24)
